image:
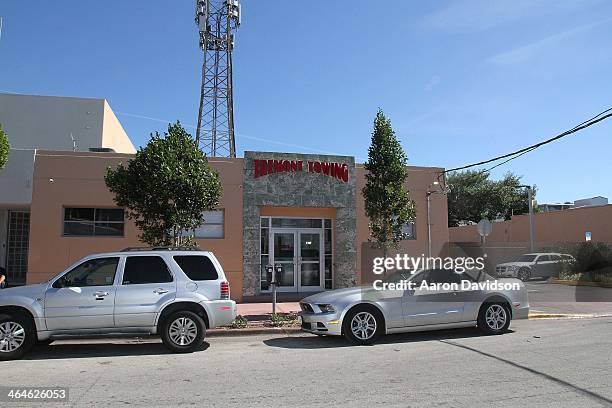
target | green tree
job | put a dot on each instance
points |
(166, 187)
(4, 148)
(474, 196)
(387, 202)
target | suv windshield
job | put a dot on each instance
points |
(526, 258)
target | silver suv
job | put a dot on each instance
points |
(175, 293)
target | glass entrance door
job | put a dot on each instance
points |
(309, 260)
(284, 253)
(299, 252)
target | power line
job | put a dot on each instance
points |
(511, 156)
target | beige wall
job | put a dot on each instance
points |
(113, 135)
(420, 179)
(78, 180)
(557, 226)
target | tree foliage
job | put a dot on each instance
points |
(4, 148)
(387, 202)
(166, 187)
(474, 196)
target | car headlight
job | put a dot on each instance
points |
(513, 268)
(326, 308)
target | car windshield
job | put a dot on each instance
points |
(526, 258)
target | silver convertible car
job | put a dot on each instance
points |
(446, 300)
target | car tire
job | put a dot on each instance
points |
(17, 336)
(183, 332)
(524, 274)
(494, 318)
(363, 325)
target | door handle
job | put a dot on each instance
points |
(160, 291)
(101, 295)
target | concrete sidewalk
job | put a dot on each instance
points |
(262, 309)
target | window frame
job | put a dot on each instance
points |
(121, 280)
(93, 222)
(413, 237)
(118, 271)
(222, 223)
(199, 256)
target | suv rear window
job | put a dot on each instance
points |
(197, 267)
(145, 269)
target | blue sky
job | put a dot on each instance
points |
(461, 81)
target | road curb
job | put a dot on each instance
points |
(251, 331)
(535, 316)
(580, 283)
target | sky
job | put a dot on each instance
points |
(461, 81)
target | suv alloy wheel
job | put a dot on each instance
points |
(183, 332)
(17, 336)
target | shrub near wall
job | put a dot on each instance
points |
(593, 263)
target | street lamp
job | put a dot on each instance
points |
(428, 193)
(531, 220)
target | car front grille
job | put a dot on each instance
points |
(306, 308)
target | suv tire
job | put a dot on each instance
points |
(363, 324)
(524, 274)
(183, 332)
(17, 336)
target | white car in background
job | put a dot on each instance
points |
(534, 265)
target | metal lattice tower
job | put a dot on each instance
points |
(216, 19)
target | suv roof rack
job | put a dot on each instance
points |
(161, 248)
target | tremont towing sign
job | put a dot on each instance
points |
(264, 167)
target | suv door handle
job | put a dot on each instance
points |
(160, 291)
(100, 295)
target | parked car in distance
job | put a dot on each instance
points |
(173, 292)
(535, 265)
(362, 314)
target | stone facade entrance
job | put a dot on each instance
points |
(300, 181)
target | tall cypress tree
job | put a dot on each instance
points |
(387, 202)
(4, 148)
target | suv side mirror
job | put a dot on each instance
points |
(60, 283)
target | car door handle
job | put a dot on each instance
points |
(101, 295)
(160, 291)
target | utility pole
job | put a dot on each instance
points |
(215, 132)
(531, 219)
(428, 193)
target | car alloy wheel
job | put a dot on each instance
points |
(183, 331)
(12, 336)
(496, 317)
(363, 325)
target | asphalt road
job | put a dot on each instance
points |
(555, 298)
(541, 363)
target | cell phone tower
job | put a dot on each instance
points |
(216, 19)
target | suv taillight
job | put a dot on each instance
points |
(225, 290)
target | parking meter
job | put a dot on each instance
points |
(279, 273)
(269, 271)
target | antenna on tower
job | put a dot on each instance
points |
(216, 19)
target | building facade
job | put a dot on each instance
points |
(302, 212)
(44, 122)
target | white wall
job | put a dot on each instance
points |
(16, 179)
